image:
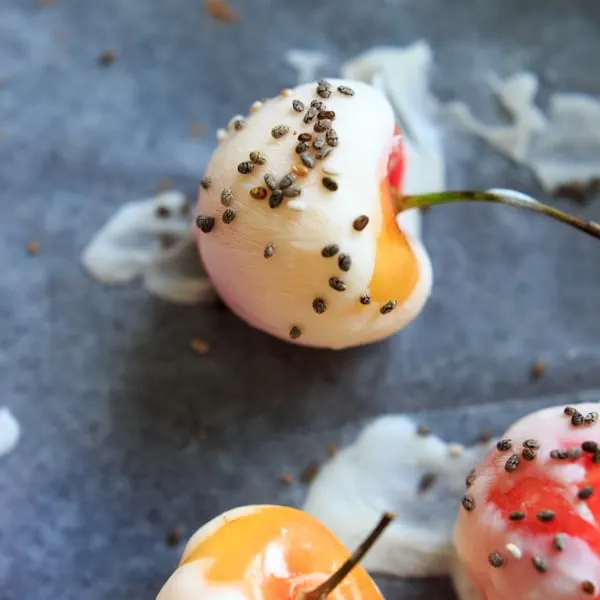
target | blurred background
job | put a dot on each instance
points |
(130, 438)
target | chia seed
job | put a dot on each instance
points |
(319, 306)
(512, 463)
(345, 90)
(280, 131)
(504, 445)
(468, 503)
(330, 250)
(337, 284)
(276, 198)
(330, 184)
(245, 167)
(205, 223)
(495, 559)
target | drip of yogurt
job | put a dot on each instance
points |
(151, 239)
(559, 148)
(10, 431)
(392, 467)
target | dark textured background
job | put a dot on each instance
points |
(108, 393)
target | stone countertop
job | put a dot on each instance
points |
(127, 433)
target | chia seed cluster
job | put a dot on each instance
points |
(529, 451)
(312, 148)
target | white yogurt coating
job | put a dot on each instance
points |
(150, 239)
(560, 148)
(484, 529)
(126, 247)
(10, 431)
(189, 582)
(277, 294)
(382, 471)
(402, 74)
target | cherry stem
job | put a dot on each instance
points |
(322, 591)
(506, 197)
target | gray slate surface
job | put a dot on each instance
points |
(102, 380)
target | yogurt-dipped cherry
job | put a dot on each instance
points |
(529, 526)
(297, 218)
(266, 552)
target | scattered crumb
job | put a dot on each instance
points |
(201, 434)
(426, 482)
(485, 436)
(164, 184)
(174, 536)
(287, 479)
(221, 11)
(199, 346)
(33, 247)
(166, 241)
(162, 212)
(107, 57)
(331, 449)
(538, 369)
(423, 430)
(581, 192)
(309, 473)
(197, 128)
(455, 450)
(2, 82)
(59, 35)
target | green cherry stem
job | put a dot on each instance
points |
(496, 196)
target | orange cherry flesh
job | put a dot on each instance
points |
(396, 269)
(307, 553)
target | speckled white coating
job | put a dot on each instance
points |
(483, 530)
(277, 293)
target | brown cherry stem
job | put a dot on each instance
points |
(506, 197)
(322, 591)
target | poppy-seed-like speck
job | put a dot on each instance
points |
(337, 284)
(205, 223)
(229, 215)
(319, 306)
(330, 184)
(259, 192)
(360, 222)
(330, 250)
(246, 167)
